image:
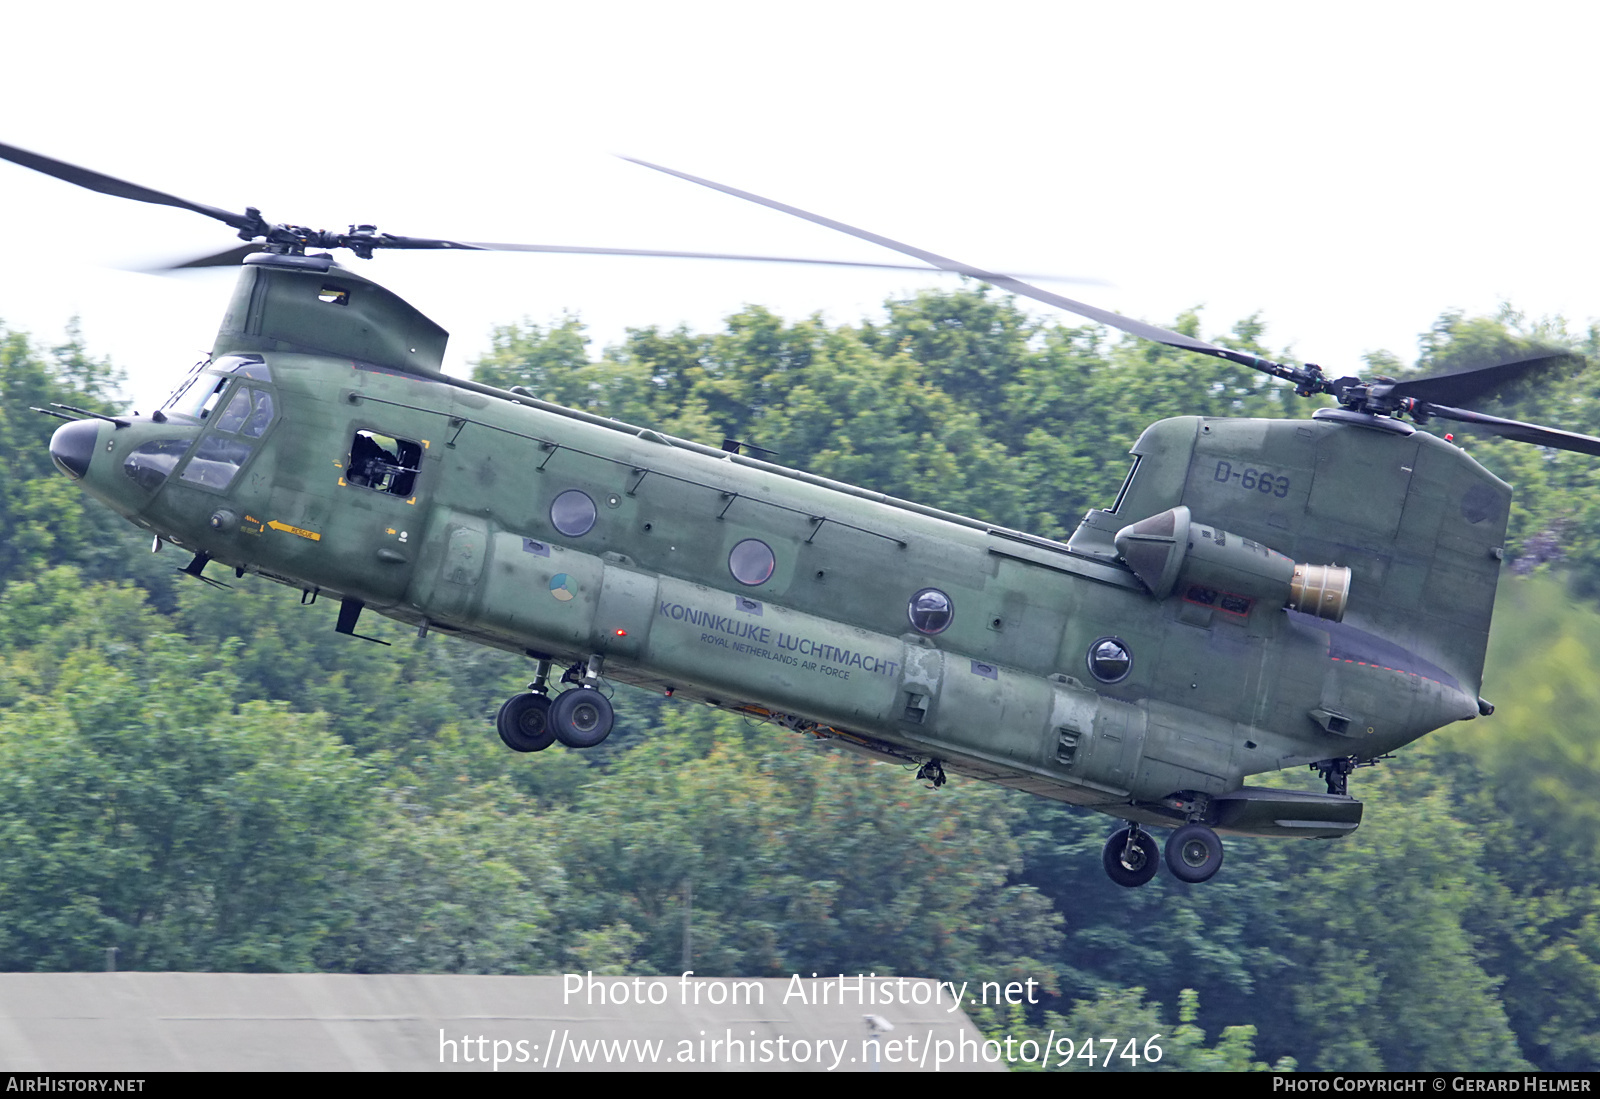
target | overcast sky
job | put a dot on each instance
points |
(1348, 170)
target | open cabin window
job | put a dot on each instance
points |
(384, 463)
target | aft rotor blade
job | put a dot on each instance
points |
(1469, 385)
(1516, 429)
(1005, 282)
(121, 188)
(580, 250)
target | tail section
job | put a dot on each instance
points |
(1418, 522)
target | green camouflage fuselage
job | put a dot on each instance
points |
(1222, 680)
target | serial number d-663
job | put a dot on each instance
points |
(1252, 480)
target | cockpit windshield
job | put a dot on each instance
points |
(197, 395)
(246, 366)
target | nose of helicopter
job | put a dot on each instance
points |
(73, 445)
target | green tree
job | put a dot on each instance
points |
(1386, 930)
(797, 860)
(143, 808)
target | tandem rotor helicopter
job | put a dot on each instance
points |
(1262, 594)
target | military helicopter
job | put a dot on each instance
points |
(1262, 594)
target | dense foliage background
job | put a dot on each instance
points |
(212, 780)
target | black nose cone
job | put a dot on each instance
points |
(73, 445)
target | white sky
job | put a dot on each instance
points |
(1349, 170)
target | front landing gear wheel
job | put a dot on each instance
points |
(1194, 853)
(1130, 861)
(524, 723)
(581, 718)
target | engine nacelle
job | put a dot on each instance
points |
(1170, 552)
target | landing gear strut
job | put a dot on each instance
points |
(1130, 856)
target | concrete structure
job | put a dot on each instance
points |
(151, 1022)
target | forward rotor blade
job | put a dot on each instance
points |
(1521, 432)
(1005, 282)
(121, 188)
(233, 257)
(1469, 385)
(580, 250)
(389, 240)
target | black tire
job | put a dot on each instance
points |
(581, 718)
(1194, 853)
(1130, 868)
(524, 723)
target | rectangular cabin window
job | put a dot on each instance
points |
(384, 463)
(333, 295)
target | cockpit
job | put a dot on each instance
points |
(232, 397)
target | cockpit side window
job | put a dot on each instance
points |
(217, 460)
(260, 414)
(248, 413)
(219, 456)
(384, 463)
(233, 416)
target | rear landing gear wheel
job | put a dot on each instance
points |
(581, 718)
(524, 723)
(1194, 853)
(1130, 860)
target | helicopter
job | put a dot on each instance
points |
(1261, 594)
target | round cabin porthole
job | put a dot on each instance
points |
(573, 513)
(931, 611)
(752, 562)
(1109, 660)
